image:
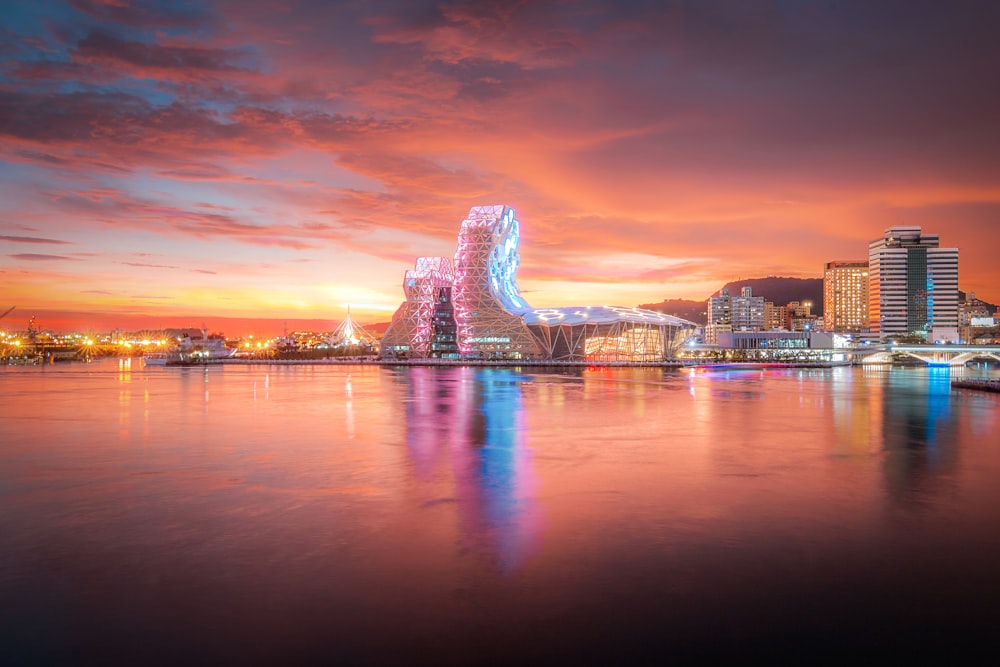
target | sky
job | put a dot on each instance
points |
(227, 162)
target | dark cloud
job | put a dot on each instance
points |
(33, 257)
(148, 14)
(122, 210)
(36, 71)
(33, 239)
(196, 172)
(115, 130)
(80, 116)
(192, 61)
(152, 266)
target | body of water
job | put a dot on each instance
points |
(281, 515)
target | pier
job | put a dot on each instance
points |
(979, 385)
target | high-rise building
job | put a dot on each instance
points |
(775, 317)
(720, 316)
(912, 285)
(734, 313)
(845, 296)
(747, 311)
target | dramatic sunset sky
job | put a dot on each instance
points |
(184, 163)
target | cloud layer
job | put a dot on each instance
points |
(258, 159)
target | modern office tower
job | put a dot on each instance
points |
(747, 311)
(845, 296)
(912, 285)
(475, 310)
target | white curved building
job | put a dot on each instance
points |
(479, 313)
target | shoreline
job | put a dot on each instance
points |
(534, 363)
(699, 364)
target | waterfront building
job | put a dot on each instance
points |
(913, 285)
(845, 296)
(780, 340)
(783, 345)
(472, 308)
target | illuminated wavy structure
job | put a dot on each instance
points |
(491, 320)
(487, 299)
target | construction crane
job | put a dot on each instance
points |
(7, 312)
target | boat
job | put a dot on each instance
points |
(161, 358)
(193, 346)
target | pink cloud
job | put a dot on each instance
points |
(35, 257)
(745, 141)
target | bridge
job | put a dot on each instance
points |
(932, 355)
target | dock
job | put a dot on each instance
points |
(980, 385)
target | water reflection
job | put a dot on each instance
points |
(349, 408)
(473, 421)
(857, 417)
(919, 435)
(371, 515)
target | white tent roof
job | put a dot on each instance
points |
(599, 315)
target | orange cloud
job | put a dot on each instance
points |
(322, 147)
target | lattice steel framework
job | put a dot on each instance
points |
(606, 333)
(349, 332)
(486, 296)
(412, 330)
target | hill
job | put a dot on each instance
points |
(780, 290)
(774, 289)
(693, 311)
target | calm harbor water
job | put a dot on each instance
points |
(278, 515)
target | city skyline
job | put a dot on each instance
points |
(167, 163)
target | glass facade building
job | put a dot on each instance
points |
(912, 284)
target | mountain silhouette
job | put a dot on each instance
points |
(777, 290)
